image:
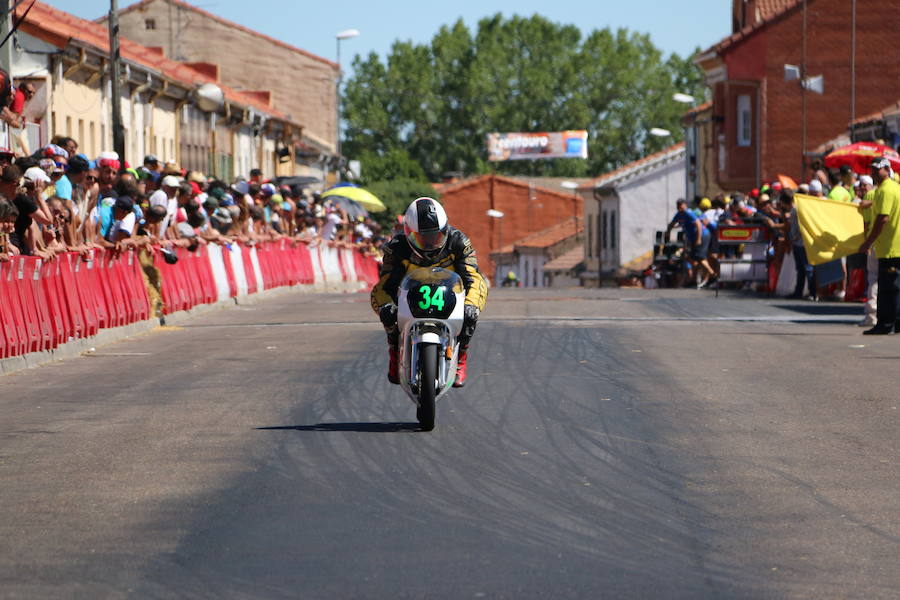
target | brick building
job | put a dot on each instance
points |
(526, 209)
(757, 118)
(293, 81)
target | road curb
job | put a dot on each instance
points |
(73, 348)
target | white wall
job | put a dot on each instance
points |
(646, 205)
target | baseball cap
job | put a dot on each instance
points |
(241, 187)
(267, 189)
(150, 159)
(705, 204)
(815, 185)
(777, 187)
(35, 174)
(845, 170)
(880, 163)
(170, 181)
(866, 179)
(764, 198)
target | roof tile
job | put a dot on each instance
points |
(547, 237)
(646, 159)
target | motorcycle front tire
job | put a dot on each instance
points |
(428, 357)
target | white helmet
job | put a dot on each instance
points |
(425, 226)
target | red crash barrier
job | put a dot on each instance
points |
(46, 303)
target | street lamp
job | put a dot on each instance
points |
(496, 214)
(341, 35)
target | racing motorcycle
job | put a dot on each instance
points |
(430, 311)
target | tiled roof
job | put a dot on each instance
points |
(547, 237)
(198, 10)
(769, 12)
(770, 8)
(633, 165)
(59, 28)
(459, 185)
(566, 261)
(698, 109)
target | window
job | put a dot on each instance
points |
(590, 239)
(605, 234)
(612, 229)
(150, 24)
(744, 125)
(599, 235)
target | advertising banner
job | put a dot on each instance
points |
(531, 146)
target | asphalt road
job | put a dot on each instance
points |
(610, 444)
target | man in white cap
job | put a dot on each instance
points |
(815, 188)
(884, 238)
(166, 196)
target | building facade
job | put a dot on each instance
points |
(765, 125)
(625, 208)
(67, 59)
(300, 84)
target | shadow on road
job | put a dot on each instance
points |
(358, 427)
(812, 308)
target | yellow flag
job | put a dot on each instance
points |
(830, 229)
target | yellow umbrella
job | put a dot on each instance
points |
(363, 197)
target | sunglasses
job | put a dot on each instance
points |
(90, 178)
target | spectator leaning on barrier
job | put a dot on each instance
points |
(8, 215)
(696, 239)
(885, 239)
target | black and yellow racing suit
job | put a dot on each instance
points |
(458, 256)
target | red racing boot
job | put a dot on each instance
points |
(460, 380)
(394, 365)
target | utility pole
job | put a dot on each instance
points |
(118, 130)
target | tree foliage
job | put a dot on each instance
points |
(427, 109)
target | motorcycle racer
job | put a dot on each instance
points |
(428, 240)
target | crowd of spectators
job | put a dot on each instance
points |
(58, 200)
(772, 205)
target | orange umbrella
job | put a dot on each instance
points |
(858, 156)
(787, 182)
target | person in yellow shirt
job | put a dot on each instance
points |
(884, 237)
(843, 191)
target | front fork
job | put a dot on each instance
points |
(446, 354)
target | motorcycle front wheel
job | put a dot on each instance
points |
(428, 357)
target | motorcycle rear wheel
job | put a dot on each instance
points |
(428, 358)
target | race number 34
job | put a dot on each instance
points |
(429, 298)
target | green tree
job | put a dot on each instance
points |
(433, 105)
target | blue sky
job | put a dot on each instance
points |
(312, 25)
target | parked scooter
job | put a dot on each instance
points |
(430, 316)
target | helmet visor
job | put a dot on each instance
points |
(428, 241)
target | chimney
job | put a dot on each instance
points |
(209, 69)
